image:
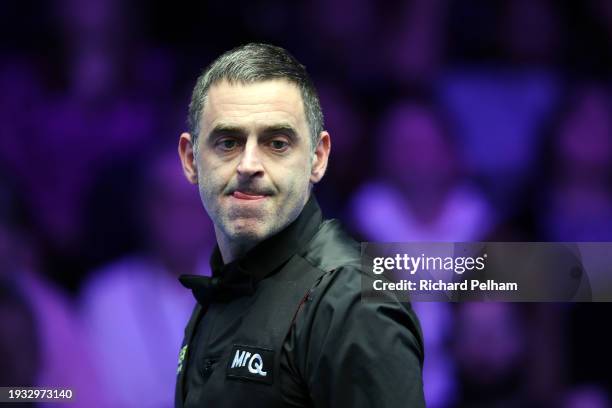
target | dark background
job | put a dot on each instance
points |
(507, 102)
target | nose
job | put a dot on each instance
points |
(250, 164)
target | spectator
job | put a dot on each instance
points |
(421, 196)
(132, 307)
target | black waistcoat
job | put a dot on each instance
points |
(261, 333)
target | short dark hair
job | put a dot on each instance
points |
(251, 63)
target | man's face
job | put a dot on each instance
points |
(254, 158)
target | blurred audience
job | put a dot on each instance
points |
(587, 396)
(420, 194)
(489, 346)
(344, 120)
(19, 341)
(92, 87)
(134, 309)
(42, 340)
(576, 185)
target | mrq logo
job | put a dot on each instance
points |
(413, 264)
(252, 361)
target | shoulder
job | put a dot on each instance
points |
(343, 344)
(342, 300)
(332, 247)
(339, 301)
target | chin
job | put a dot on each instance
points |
(246, 232)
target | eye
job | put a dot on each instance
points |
(227, 144)
(279, 145)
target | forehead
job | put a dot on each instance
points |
(259, 103)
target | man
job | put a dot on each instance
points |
(281, 322)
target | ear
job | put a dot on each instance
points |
(321, 155)
(185, 150)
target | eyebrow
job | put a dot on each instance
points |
(284, 128)
(224, 129)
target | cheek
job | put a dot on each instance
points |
(294, 177)
(210, 188)
(212, 174)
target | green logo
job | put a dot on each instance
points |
(181, 358)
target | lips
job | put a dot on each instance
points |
(247, 196)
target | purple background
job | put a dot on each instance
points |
(480, 120)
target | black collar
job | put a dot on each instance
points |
(241, 276)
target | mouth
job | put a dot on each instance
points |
(241, 195)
